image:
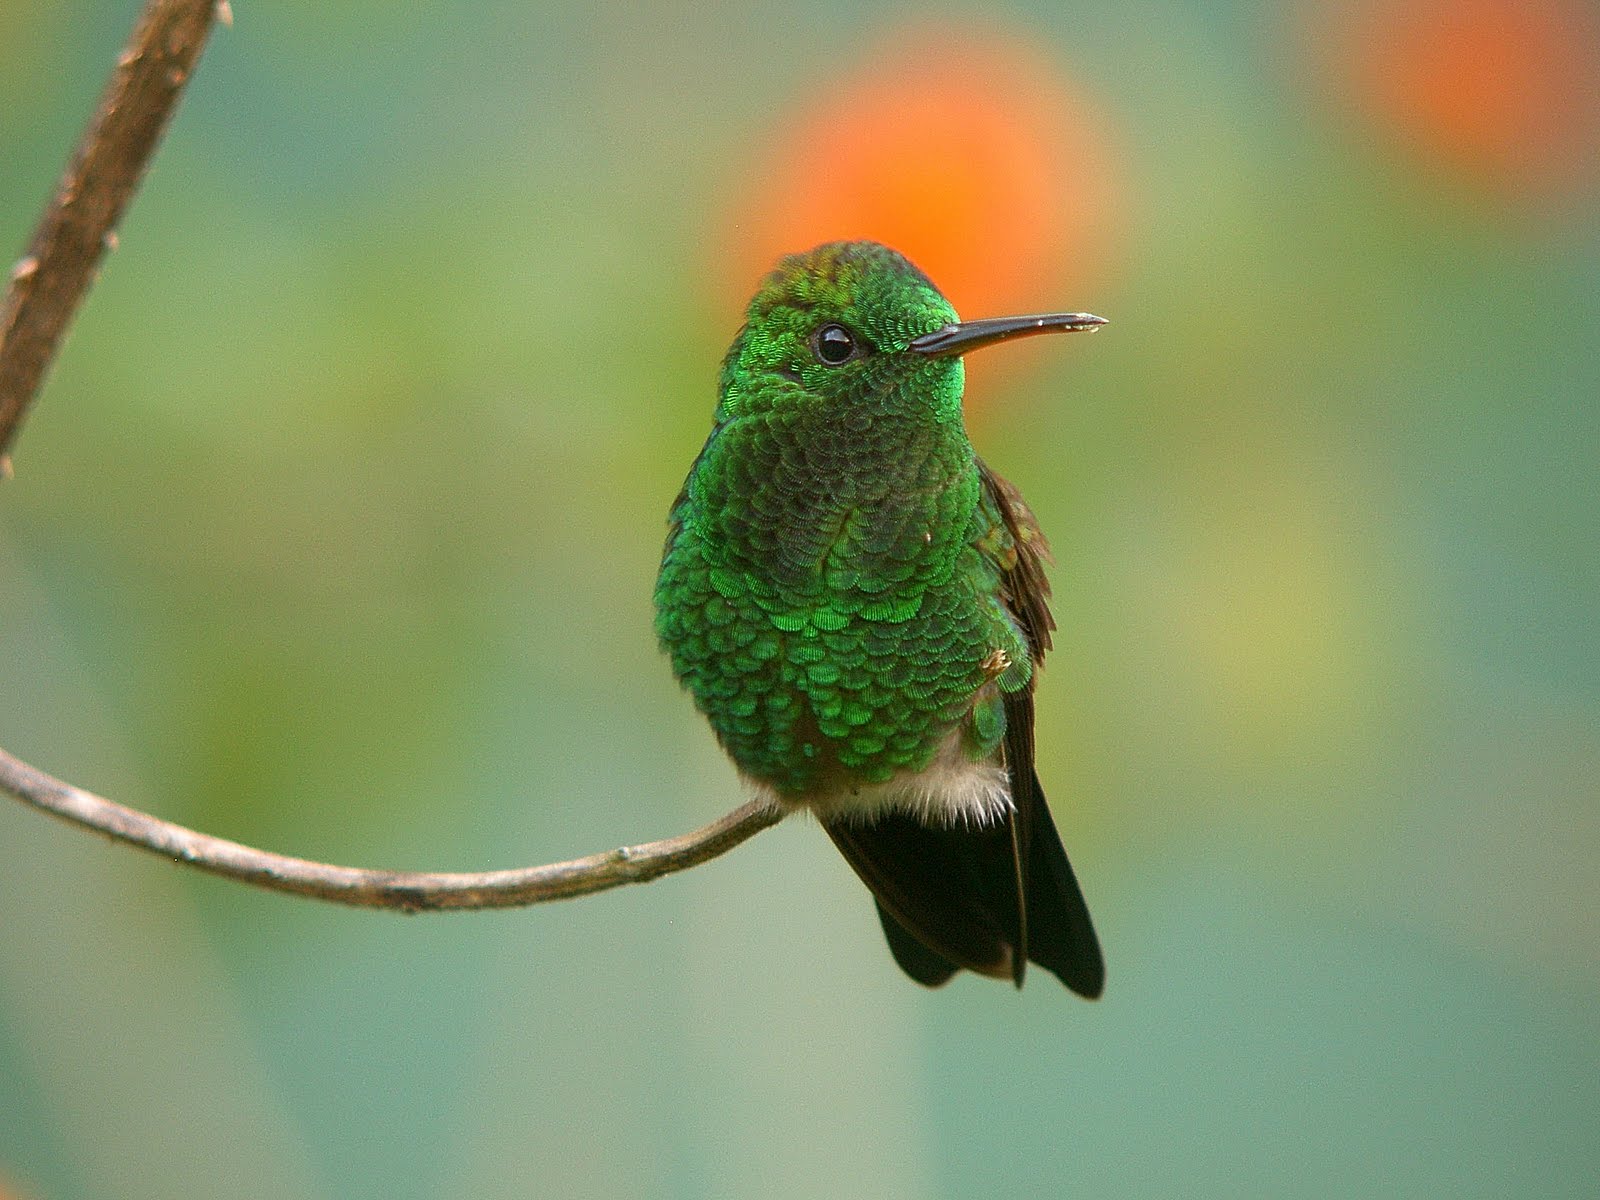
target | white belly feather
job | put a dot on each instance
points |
(951, 790)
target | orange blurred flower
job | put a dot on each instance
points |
(970, 154)
(1502, 92)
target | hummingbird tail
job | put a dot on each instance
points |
(947, 896)
(987, 899)
(927, 967)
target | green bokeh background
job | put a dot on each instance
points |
(335, 529)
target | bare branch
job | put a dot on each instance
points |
(409, 891)
(48, 283)
(46, 287)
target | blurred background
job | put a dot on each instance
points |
(335, 530)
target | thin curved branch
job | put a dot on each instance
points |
(46, 287)
(49, 281)
(408, 891)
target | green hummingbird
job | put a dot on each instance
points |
(858, 605)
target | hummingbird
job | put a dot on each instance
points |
(858, 605)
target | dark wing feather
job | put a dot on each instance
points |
(1024, 587)
(1057, 932)
(1062, 940)
(990, 898)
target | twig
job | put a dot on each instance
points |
(46, 287)
(409, 891)
(49, 281)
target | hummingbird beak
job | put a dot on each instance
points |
(971, 335)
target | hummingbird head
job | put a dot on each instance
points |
(848, 319)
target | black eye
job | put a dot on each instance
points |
(834, 344)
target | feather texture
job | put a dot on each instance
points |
(858, 605)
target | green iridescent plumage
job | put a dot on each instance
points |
(830, 590)
(855, 603)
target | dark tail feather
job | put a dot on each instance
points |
(943, 894)
(949, 897)
(927, 967)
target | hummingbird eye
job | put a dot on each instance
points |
(834, 344)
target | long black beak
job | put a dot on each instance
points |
(971, 335)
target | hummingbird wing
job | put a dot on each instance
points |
(986, 898)
(1017, 547)
(1061, 936)
(1057, 932)
(1056, 928)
